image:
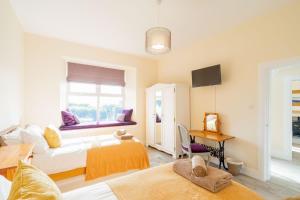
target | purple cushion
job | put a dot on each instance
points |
(68, 118)
(128, 114)
(75, 116)
(197, 148)
(158, 119)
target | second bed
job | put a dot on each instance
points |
(95, 156)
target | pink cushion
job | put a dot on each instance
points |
(69, 118)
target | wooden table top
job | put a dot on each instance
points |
(210, 135)
(11, 154)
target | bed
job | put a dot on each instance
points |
(99, 191)
(71, 155)
(94, 156)
(79, 153)
(159, 183)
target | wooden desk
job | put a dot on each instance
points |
(10, 155)
(216, 137)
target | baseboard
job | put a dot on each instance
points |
(253, 173)
(281, 155)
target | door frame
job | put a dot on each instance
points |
(264, 77)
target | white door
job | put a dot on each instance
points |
(150, 102)
(168, 119)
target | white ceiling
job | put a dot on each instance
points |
(120, 25)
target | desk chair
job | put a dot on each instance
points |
(191, 149)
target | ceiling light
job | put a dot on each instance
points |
(158, 39)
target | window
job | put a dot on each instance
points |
(91, 102)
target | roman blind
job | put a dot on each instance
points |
(93, 74)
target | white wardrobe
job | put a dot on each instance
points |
(167, 106)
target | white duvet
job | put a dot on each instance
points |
(71, 155)
(99, 191)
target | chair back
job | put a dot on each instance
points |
(184, 138)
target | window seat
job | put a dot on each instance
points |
(103, 124)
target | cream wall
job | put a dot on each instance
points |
(240, 51)
(11, 67)
(281, 111)
(45, 75)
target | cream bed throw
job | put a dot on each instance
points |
(162, 183)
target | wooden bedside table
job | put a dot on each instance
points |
(10, 155)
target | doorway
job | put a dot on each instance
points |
(276, 82)
(296, 115)
(285, 161)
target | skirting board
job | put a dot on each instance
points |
(281, 155)
(254, 173)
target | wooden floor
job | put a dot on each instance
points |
(275, 189)
(287, 169)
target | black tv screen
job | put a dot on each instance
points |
(206, 76)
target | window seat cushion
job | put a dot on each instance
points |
(87, 125)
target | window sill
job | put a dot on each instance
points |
(96, 125)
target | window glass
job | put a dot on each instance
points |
(109, 107)
(111, 89)
(85, 107)
(93, 103)
(82, 87)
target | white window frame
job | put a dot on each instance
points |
(98, 94)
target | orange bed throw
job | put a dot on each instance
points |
(116, 156)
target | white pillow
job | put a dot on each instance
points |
(34, 135)
(13, 137)
(5, 186)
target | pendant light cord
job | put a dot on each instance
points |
(158, 11)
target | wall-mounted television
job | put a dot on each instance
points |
(207, 76)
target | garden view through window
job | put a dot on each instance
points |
(92, 103)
